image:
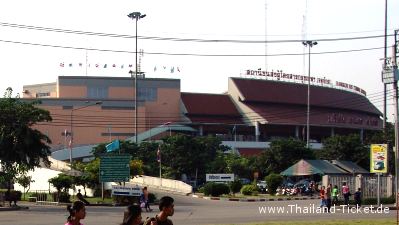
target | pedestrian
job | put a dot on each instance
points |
(334, 195)
(80, 197)
(146, 200)
(166, 206)
(77, 212)
(345, 193)
(328, 197)
(323, 197)
(132, 215)
(358, 197)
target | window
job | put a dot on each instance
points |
(42, 95)
(97, 92)
(147, 94)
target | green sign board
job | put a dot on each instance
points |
(114, 168)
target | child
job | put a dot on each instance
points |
(334, 195)
(358, 197)
(323, 197)
(77, 212)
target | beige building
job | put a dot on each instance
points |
(97, 109)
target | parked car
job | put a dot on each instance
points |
(262, 185)
(245, 181)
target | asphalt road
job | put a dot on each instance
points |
(193, 211)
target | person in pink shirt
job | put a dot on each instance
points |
(77, 212)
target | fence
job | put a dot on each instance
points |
(367, 183)
(43, 197)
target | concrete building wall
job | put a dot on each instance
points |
(158, 103)
(48, 90)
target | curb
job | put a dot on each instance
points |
(252, 199)
(14, 208)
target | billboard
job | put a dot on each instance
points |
(378, 158)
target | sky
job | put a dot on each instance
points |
(202, 66)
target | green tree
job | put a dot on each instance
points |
(136, 167)
(182, 154)
(21, 146)
(25, 181)
(238, 165)
(283, 153)
(62, 183)
(348, 147)
(92, 172)
(273, 182)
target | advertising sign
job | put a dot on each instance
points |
(219, 177)
(126, 190)
(378, 158)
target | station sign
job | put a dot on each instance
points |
(126, 190)
(220, 177)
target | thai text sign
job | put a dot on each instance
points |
(114, 168)
(219, 177)
(378, 158)
(126, 190)
(279, 74)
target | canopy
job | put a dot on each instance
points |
(312, 167)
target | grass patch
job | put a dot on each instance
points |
(332, 222)
(94, 200)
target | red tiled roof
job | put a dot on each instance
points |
(210, 108)
(250, 151)
(296, 115)
(267, 91)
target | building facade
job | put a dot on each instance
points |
(247, 117)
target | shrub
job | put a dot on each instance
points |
(235, 186)
(64, 197)
(151, 197)
(125, 200)
(201, 189)
(273, 182)
(249, 189)
(216, 189)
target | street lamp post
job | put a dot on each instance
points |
(136, 16)
(71, 141)
(308, 44)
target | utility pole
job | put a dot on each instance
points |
(135, 16)
(308, 44)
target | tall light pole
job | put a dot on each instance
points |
(135, 16)
(308, 44)
(71, 141)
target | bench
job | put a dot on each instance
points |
(32, 199)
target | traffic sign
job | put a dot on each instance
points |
(390, 75)
(114, 168)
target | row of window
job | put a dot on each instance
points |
(144, 93)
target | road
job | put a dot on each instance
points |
(191, 211)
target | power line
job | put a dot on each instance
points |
(187, 54)
(180, 39)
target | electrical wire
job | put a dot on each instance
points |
(179, 39)
(188, 54)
